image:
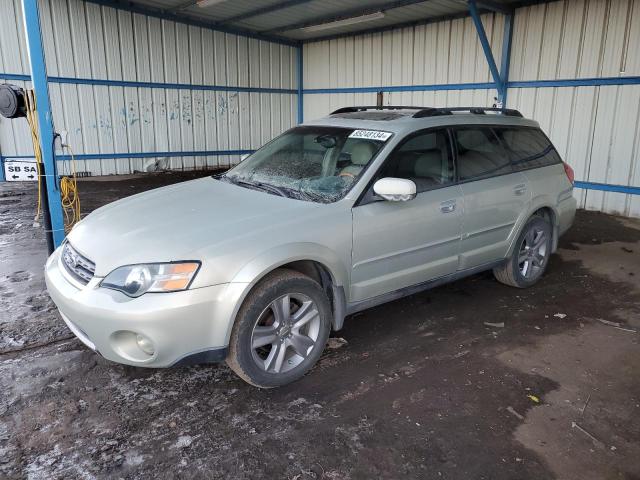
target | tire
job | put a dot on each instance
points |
(294, 339)
(530, 257)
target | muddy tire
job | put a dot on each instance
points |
(530, 256)
(280, 331)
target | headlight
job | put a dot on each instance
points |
(134, 280)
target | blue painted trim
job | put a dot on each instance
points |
(606, 187)
(486, 47)
(300, 84)
(107, 156)
(505, 63)
(402, 88)
(182, 18)
(2, 179)
(45, 118)
(136, 84)
(576, 82)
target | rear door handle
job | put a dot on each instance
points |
(448, 206)
(520, 189)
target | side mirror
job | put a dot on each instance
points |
(395, 189)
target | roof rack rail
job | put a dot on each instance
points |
(432, 112)
(374, 107)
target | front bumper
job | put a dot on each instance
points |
(183, 327)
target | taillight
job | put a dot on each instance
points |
(569, 171)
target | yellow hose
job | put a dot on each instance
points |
(68, 185)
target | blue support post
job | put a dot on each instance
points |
(300, 85)
(473, 10)
(506, 58)
(45, 120)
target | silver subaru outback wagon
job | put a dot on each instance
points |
(258, 265)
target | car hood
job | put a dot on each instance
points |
(186, 221)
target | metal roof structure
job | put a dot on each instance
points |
(295, 21)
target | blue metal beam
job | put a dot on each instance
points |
(344, 15)
(607, 187)
(386, 28)
(300, 84)
(402, 88)
(137, 84)
(475, 15)
(576, 82)
(495, 7)
(45, 119)
(189, 20)
(108, 156)
(263, 11)
(506, 58)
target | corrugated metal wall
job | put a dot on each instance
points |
(88, 41)
(433, 54)
(595, 128)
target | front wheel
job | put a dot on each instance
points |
(530, 257)
(280, 331)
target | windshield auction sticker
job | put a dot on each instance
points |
(371, 135)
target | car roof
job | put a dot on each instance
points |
(399, 120)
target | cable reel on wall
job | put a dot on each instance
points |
(15, 102)
(12, 101)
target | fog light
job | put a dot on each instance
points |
(145, 344)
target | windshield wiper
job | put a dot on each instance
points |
(265, 187)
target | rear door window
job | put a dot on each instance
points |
(480, 154)
(528, 147)
(424, 158)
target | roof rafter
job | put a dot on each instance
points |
(344, 15)
(264, 10)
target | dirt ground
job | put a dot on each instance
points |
(418, 388)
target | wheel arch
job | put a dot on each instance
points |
(544, 207)
(312, 260)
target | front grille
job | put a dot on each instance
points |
(80, 267)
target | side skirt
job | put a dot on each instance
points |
(420, 287)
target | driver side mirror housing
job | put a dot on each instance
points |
(395, 189)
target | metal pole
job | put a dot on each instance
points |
(506, 58)
(52, 206)
(300, 84)
(486, 47)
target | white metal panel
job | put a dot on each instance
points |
(85, 40)
(595, 130)
(439, 53)
(576, 39)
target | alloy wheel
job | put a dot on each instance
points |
(533, 253)
(285, 333)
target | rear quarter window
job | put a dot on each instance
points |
(528, 147)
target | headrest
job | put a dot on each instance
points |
(471, 139)
(429, 164)
(362, 152)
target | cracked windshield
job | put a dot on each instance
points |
(317, 164)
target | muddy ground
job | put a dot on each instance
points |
(418, 388)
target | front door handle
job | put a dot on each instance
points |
(448, 206)
(520, 189)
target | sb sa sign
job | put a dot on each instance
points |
(20, 170)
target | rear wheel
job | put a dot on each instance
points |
(281, 330)
(530, 257)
